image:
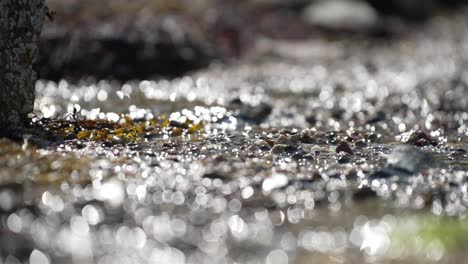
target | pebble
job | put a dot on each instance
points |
(344, 147)
(343, 158)
(284, 140)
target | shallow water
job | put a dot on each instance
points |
(259, 179)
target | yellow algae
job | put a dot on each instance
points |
(83, 134)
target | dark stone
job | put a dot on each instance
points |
(334, 174)
(360, 143)
(413, 10)
(337, 113)
(290, 149)
(217, 175)
(377, 117)
(461, 150)
(330, 135)
(178, 124)
(418, 138)
(311, 119)
(306, 137)
(70, 136)
(250, 113)
(372, 137)
(364, 193)
(344, 158)
(344, 147)
(300, 155)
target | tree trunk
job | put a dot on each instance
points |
(20, 26)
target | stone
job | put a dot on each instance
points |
(410, 159)
(344, 147)
(256, 113)
(414, 10)
(416, 137)
(284, 140)
(405, 161)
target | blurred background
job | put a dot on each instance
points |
(143, 39)
(254, 131)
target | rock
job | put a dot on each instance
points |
(360, 144)
(301, 155)
(178, 124)
(262, 145)
(372, 137)
(336, 14)
(250, 113)
(278, 148)
(285, 140)
(404, 161)
(291, 149)
(343, 158)
(414, 10)
(306, 137)
(417, 138)
(410, 159)
(344, 147)
(379, 116)
(311, 119)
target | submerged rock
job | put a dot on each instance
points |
(404, 161)
(410, 159)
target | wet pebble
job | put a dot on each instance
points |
(360, 144)
(416, 137)
(344, 147)
(343, 158)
